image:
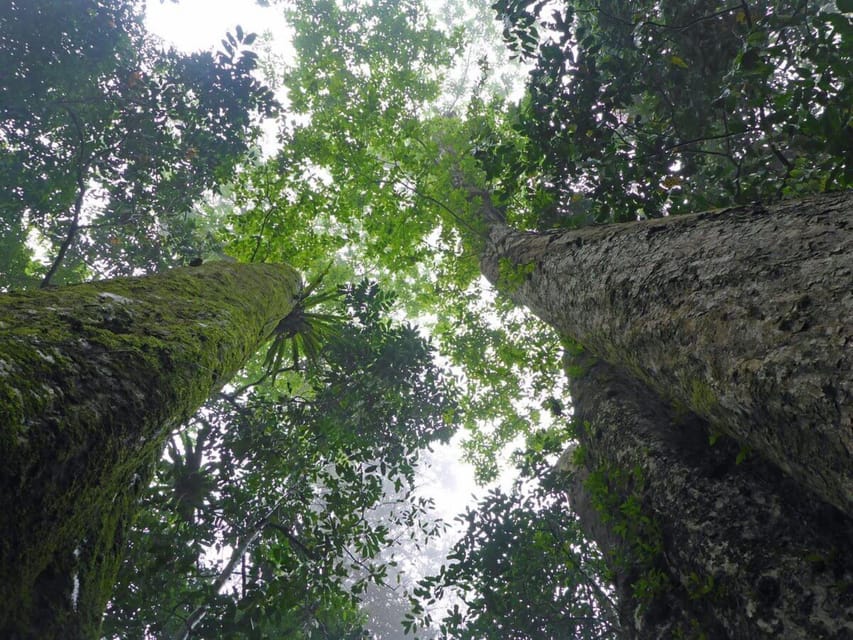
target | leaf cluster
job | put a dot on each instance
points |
(306, 331)
(647, 108)
(522, 568)
(108, 139)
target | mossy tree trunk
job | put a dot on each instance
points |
(93, 378)
(733, 323)
(699, 539)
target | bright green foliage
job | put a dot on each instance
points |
(613, 493)
(641, 108)
(510, 364)
(107, 140)
(301, 467)
(512, 275)
(364, 75)
(368, 171)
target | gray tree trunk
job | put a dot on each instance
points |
(93, 378)
(735, 322)
(699, 541)
(743, 316)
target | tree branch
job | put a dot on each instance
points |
(200, 612)
(78, 204)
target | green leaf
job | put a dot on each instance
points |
(678, 62)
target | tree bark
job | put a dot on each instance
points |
(93, 378)
(698, 541)
(742, 316)
(736, 322)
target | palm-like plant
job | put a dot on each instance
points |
(302, 332)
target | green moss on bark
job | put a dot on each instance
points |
(92, 379)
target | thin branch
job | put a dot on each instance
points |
(746, 13)
(441, 205)
(308, 553)
(78, 204)
(200, 612)
(261, 235)
(723, 136)
(672, 27)
(263, 224)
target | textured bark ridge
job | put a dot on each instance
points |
(699, 542)
(743, 316)
(93, 378)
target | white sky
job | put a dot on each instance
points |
(200, 24)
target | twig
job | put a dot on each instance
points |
(271, 372)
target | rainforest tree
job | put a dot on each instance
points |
(109, 139)
(95, 376)
(708, 428)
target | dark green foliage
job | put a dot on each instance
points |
(641, 108)
(298, 469)
(522, 568)
(107, 140)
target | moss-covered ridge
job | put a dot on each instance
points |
(92, 379)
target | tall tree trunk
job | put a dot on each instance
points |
(743, 316)
(93, 378)
(736, 322)
(699, 540)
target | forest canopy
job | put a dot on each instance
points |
(289, 505)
